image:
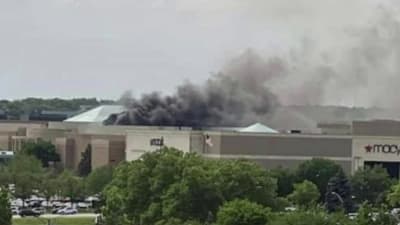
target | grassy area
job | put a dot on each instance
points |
(57, 221)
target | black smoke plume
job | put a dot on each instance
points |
(233, 97)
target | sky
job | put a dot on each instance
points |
(101, 48)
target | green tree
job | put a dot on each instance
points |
(71, 186)
(45, 151)
(242, 212)
(305, 194)
(393, 198)
(338, 195)
(5, 177)
(5, 210)
(85, 165)
(25, 172)
(98, 179)
(367, 215)
(370, 184)
(318, 171)
(49, 185)
(309, 217)
(241, 179)
(169, 184)
(286, 178)
(175, 221)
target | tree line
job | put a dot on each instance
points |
(171, 187)
(28, 177)
(35, 171)
(14, 109)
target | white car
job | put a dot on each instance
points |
(83, 205)
(17, 202)
(67, 211)
(58, 204)
(92, 199)
(352, 216)
(395, 211)
(39, 210)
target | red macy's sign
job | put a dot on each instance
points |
(385, 149)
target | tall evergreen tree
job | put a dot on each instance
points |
(5, 211)
(338, 194)
(85, 165)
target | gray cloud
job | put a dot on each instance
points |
(73, 48)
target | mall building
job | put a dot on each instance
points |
(352, 145)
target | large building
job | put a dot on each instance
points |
(269, 149)
(352, 145)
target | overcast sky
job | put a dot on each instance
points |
(100, 48)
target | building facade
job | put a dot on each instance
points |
(352, 145)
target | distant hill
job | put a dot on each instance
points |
(23, 109)
(303, 117)
(307, 117)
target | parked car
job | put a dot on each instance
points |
(67, 211)
(39, 210)
(56, 209)
(34, 203)
(17, 202)
(29, 212)
(15, 210)
(352, 216)
(58, 204)
(395, 211)
(83, 205)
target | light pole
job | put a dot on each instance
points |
(339, 197)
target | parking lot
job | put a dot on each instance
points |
(54, 216)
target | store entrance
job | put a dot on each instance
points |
(391, 167)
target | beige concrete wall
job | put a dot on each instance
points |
(382, 149)
(5, 141)
(138, 142)
(81, 143)
(287, 145)
(116, 152)
(45, 133)
(100, 152)
(9, 129)
(71, 153)
(215, 147)
(376, 128)
(197, 142)
(11, 126)
(65, 147)
(61, 148)
(278, 150)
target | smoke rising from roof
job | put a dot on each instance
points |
(363, 69)
(231, 98)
